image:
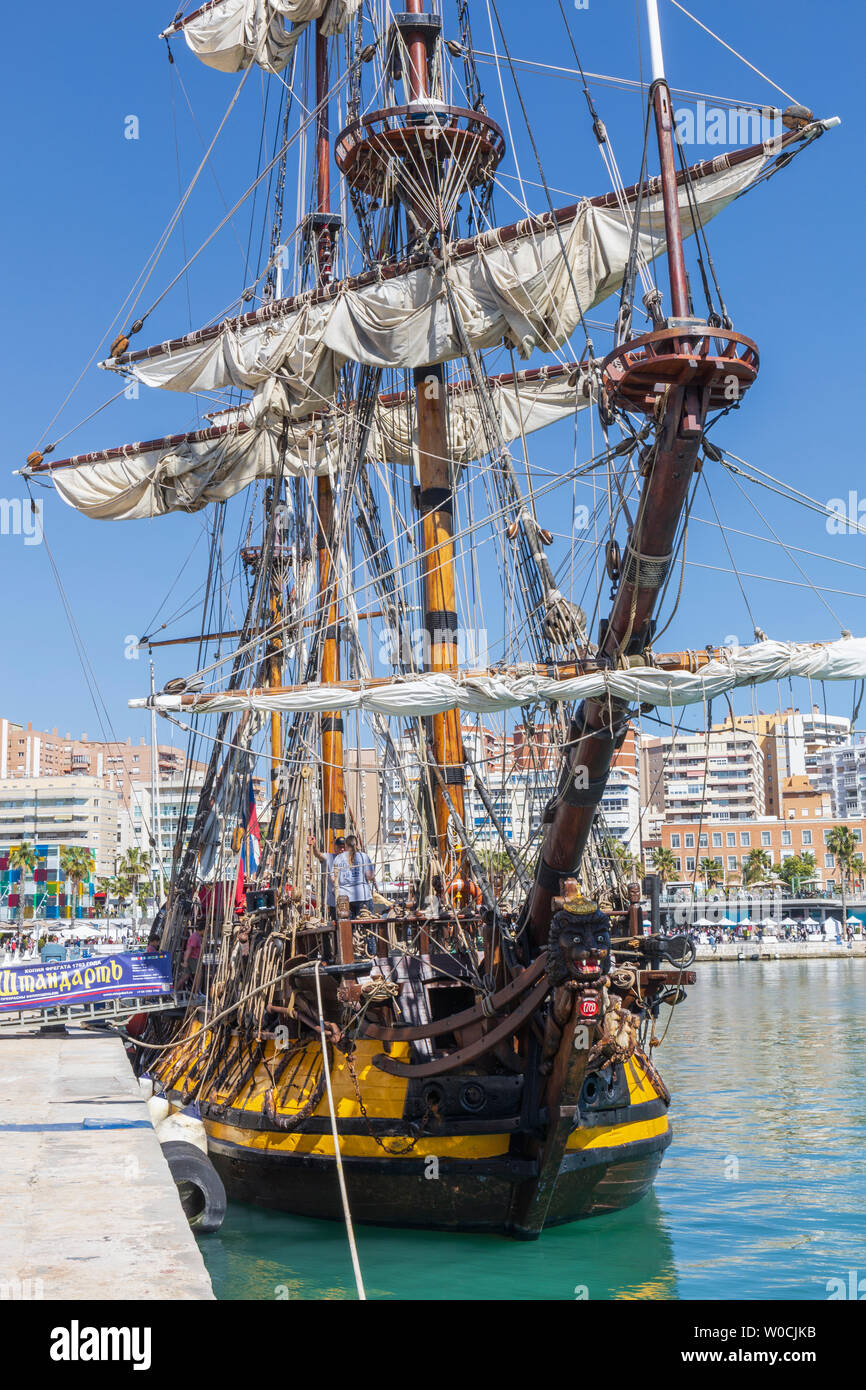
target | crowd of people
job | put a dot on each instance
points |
(24, 948)
(726, 935)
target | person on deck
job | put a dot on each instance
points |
(328, 860)
(191, 955)
(352, 876)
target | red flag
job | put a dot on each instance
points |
(240, 897)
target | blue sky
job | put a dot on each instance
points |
(84, 207)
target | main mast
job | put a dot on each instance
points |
(322, 226)
(436, 504)
(681, 349)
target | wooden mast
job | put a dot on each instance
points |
(669, 467)
(333, 788)
(275, 668)
(436, 505)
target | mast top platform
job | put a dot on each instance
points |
(721, 364)
(422, 137)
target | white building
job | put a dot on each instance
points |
(841, 772)
(176, 802)
(517, 786)
(65, 810)
(720, 778)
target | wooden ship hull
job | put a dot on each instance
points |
(472, 1170)
(530, 1105)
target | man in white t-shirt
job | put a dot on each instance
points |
(353, 877)
(327, 860)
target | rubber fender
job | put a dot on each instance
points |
(184, 1128)
(157, 1108)
(199, 1186)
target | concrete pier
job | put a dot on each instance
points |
(782, 950)
(89, 1208)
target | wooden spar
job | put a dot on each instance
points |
(440, 601)
(196, 637)
(436, 505)
(692, 660)
(323, 156)
(179, 23)
(466, 246)
(333, 785)
(600, 726)
(333, 789)
(386, 401)
(417, 54)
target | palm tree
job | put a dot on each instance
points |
(121, 889)
(23, 858)
(135, 865)
(103, 886)
(711, 871)
(664, 864)
(808, 865)
(757, 866)
(629, 863)
(787, 870)
(76, 864)
(842, 844)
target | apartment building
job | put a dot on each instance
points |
(50, 814)
(719, 777)
(840, 772)
(29, 752)
(690, 842)
(791, 742)
(510, 778)
(139, 826)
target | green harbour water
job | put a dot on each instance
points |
(762, 1193)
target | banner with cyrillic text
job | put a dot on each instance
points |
(124, 975)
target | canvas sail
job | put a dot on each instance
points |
(231, 34)
(435, 693)
(524, 291)
(187, 472)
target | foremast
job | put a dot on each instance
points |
(694, 367)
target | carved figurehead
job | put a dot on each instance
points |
(578, 944)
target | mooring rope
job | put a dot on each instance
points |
(347, 1215)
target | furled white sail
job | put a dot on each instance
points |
(231, 34)
(485, 694)
(524, 291)
(186, 474)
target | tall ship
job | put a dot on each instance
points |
(464, 1036)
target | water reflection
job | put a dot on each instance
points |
(764, 1183)
(266, 1255)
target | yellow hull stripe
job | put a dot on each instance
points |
(361, 1145)
(610, 1136)
(384, 1097)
